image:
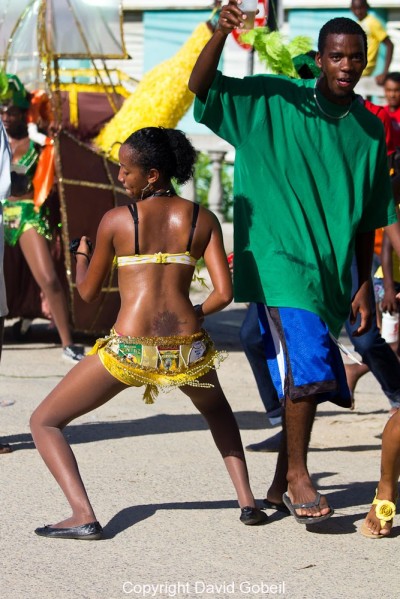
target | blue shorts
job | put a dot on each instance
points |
(302, 357)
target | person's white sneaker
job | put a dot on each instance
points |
(73, 353)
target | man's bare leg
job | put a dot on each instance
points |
(279, 483)
(291, 474)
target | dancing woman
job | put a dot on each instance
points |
(157, 340)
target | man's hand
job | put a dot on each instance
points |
(231, 17)
(206, 66)
(389, 302)
(361, 305)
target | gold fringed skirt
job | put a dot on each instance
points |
(160, 363)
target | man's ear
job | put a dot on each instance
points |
(318, 60)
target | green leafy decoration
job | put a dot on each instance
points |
(275, 51)
(3, 85)
(197, 278)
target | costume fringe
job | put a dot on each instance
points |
(154, 379)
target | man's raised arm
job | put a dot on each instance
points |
(204, 70)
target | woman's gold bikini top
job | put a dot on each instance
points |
(159, 257)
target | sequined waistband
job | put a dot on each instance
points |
(163, 354)
(160, 341)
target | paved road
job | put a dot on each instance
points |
(160, 491)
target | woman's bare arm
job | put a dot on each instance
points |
(90, 276)
(218, 268)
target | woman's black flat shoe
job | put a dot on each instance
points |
(252, 516)
(87, 532)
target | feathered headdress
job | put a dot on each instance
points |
(12, 91)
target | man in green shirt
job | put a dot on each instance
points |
(311, 186)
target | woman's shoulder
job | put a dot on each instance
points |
(115, 216)
(205, 216)
(209, 216)
(117, 212)
(203, 211)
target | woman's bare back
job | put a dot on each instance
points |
(155, 297)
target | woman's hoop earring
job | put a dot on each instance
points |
(147, 188)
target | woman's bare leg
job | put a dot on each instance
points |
(213, 405)
(86, 387)
(390, 473)
(37, 254)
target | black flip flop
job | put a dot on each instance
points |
(292, 507)
(279, 507)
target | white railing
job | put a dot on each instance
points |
(219, 152)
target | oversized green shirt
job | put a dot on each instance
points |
(304, 185)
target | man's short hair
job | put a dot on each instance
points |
(395, 76)
(338, 26)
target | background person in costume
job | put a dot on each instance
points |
(5, 183)
(376, 35)
(157, 340)
(40, 117)
(24, 221)
(301, 224)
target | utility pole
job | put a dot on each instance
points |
(250, 62)
(272, 18)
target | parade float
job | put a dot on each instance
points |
(62, 48)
